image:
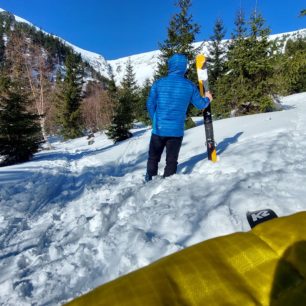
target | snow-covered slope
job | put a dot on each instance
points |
(97, 61)
(19, 19)
(78, 216)
(144, 64)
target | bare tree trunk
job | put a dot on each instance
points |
(29, 64)
(36, 62)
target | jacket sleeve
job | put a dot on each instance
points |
(152, 101)
(197, 100)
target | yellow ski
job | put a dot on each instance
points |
(204, 86)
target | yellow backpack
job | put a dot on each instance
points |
(266, 266)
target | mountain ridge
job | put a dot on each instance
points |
(144, 64)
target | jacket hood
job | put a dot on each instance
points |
(177, 64)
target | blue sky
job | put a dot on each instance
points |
(117, 28)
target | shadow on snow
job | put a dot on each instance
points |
(187, 166)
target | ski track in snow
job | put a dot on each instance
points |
(79, 216)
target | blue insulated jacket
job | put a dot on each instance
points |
(169, 99)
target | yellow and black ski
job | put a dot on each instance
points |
(204, 86)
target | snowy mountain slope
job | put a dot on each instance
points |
(19, 19)
(78, 216)
(96, 61)
(144, 64)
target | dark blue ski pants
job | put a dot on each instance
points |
(157, 145)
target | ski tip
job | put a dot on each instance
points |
(214, 157)
(200, 60)
(259, 216)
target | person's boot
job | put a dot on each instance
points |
(148, 177)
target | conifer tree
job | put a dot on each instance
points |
(141, 108)
(112, 91)
(20, 133)
(181, 34)
(248, 85)
(237, 45)
(231, 87)
(217, 54)
(260, 64)
(128, 83)
(69, 99)
(129, 89)
(111, 86)
(124, 111)
(2, 46)
(294, 66)
(240, 26)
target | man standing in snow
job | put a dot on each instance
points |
(167, 105)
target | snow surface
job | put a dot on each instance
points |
(78, 216)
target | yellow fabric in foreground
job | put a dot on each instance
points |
(266, 266)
